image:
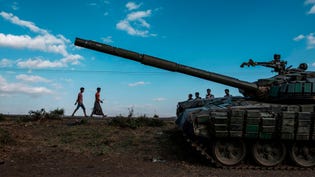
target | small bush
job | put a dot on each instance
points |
(154, 122)
(83, 122)
(35, 115)
(2, 118)
(130, 110)
(5, 137)
(134, 123)
(55, 114)
(123, 122)
(42, 114)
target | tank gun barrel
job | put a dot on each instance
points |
(166, 65)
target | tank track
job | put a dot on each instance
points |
(199, 147)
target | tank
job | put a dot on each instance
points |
(272, 124)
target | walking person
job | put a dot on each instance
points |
(97, 109)
(79, 102)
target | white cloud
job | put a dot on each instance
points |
(31, 78)
(2, 80)
(312, 2)
(135, 23)
(40, 63)
(124, 25)
(6, 62)
(15, 6)
(73, 59)
(15, 20)
(312, 10)
(57, 85)
(107, 39)
(299, 37)
(44, 42)
(20, 88)
(68, 80)
(310, 40)
(132, 6)
(138, 84)
(133, 16)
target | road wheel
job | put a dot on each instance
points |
(229, 152)
(267, 153)
(303, 154)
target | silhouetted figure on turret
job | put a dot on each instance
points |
(197, 96)
(209, 95)
(190, 97)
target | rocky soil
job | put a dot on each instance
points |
(101, 147)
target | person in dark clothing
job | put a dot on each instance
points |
(197, 97)
(209, 95)
(97, 109)
(227, 93)
(190, 97)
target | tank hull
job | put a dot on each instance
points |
(228, 132)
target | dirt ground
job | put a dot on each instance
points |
(97, 148)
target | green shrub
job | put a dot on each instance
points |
(123, 122)
(134, 123)
(83, 122)
(42, 114)
(2, 118)
(55, 114)
(37, 115)
(5, 137)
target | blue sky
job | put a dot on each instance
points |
(41, 68)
